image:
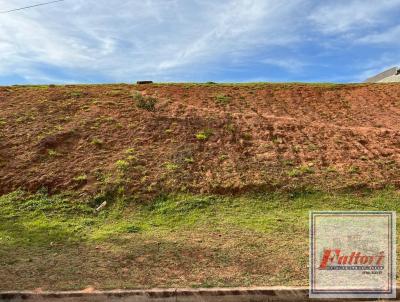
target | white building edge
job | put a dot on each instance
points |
(391, 75)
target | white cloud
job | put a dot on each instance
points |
(391, 35)
(169, 40)
(236, 28)
(340, 16)
(129, 39)
(289, 64)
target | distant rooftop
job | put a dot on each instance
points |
(390, 75)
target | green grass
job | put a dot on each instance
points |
(76, 94)
(203, 135)
(176, 240)
(171, 166)
(301, 170)
(80, 178)
(222, 99)
(53, 153)
(122, 165)
(145, 102)
(97, 142)
(39, 219)
(32, 86)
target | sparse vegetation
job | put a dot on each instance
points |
(331, 169)
(145, 102)
(130, 151)
(301, 170)
(222, 99)
(80, 178)
(133, 229)
(231, 127)
(277, 140)
(171, 166)
(312, 147)
(288, 162)
(296, 148)
(53, 153)
(223, 157)
(354, 170)
(25, 118)
(263, 128)
(115, 92)
(122, 165)
(247, 136)
(203, 135)
(189, 160)
(131, 158)
(97, 142)
(76, 94)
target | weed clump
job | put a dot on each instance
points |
(301, 170)
(97, 142)
(52, 153)
(115, 92)
(203, 135)
(76, 94)
(81, 178)
(145, 102)
(133, 229)
(354, 170)
(171, 166)
(122, 165)
(188, 160)
(130, 151)
(222, 100)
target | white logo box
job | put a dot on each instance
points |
(352, 254)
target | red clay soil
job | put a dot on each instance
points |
(199, 138)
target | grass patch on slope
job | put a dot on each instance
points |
(58, 242)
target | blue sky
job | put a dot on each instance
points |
(113, 41)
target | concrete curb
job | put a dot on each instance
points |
(255, 294)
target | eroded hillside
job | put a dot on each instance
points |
(149, 139)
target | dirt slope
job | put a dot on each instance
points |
(198, 138)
